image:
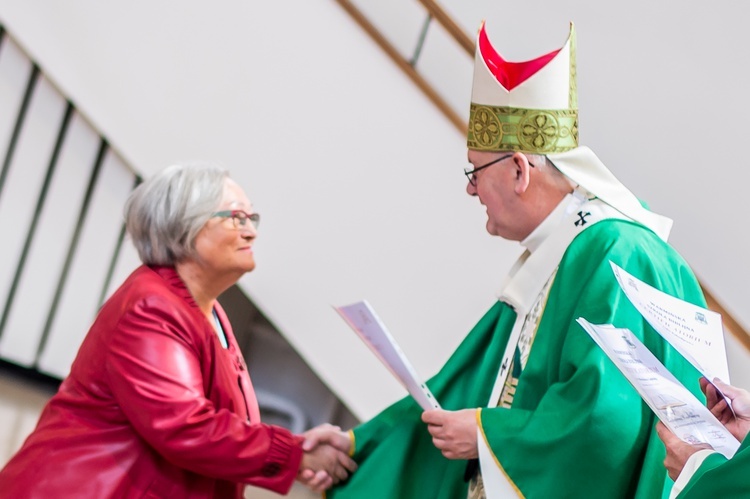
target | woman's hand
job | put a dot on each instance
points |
(326, 460)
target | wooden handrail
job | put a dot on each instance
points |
(442, 17)
(730, 324)
(401, 62)
(436, 11)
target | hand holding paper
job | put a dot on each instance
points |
(735, 418)
(675, 406)
(695, 332)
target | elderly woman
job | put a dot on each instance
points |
(158, 402)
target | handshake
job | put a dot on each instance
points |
(326, 460)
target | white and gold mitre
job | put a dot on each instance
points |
(529, 106)
(532, 107)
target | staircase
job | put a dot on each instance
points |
(62, 189)
(340, 126)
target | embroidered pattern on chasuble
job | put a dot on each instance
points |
(520, 358)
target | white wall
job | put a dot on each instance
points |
(359, 178)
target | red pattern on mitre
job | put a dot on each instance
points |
(509, 74)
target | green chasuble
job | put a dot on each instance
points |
(576, 427)
(718, 477)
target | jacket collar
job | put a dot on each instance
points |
(173, 279)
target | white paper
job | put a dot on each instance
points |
(697, 333)
(362, 319)
(674, 405)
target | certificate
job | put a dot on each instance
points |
(674, 405)
(695, 332)
(362, 319)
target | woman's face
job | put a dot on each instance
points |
(223, 248)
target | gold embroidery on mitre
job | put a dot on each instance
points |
(542, 131)
(485, 126)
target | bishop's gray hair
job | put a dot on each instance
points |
(164, 214)
(543, 163)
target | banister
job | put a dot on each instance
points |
(442, 17)
(730, 324)
(401, 62)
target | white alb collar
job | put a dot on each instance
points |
(543, 230)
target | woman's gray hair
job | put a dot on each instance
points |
(164, 214)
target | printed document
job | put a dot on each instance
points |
(362, 319)
(675, 406)
(695, 332)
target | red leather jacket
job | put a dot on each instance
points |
(154, 406)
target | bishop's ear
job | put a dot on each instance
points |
(523, 172)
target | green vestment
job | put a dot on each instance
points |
(719, 477)
(576, 428)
